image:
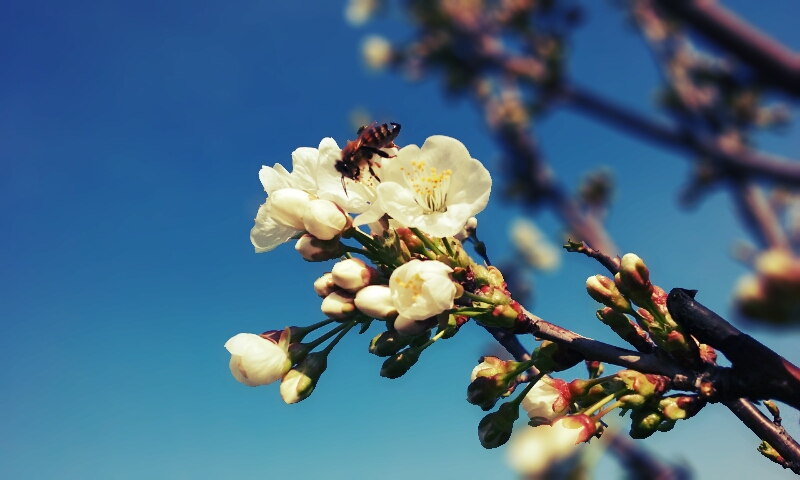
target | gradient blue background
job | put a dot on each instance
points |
(130, 140)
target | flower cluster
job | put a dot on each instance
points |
(407, 271)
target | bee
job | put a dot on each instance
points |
(358, 153)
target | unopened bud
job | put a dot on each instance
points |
(353, 274)
(313, 249)
(412, 242)
(288, 205)
(502, 316)
(376, 301)
(603, 290)
(634, 279)
(625, 328)
(398, 364)
(388, 343)
(410, 328)
(766, 449)
(643, 383)
(680, 407)
(468, 230)
(324, 219)
(644, 423)
(595, 368)
(324, 285)
(300, 381)
(339, 305)
(495, 429)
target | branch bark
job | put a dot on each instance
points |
(767, 431)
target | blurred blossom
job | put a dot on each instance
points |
(772, 293)
(532, 245)
(376, 51)
(533, 451)
(358, 12)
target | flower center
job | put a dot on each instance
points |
(430, 187)
(414, 285)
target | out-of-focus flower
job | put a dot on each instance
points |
(533, 246)
(376, 302)
(338, 305)
(376, 52)
(548, 399)
(358, 12)
(772, 293)
(422, 289)
(353, 274)
(255, 360)
(436, 188)
(531, 451)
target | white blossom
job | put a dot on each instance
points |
(256, 360)
(549, 399)
(532, 450)
(313, 172)
(357, 12)
(376, 302)
(376, 52)
(422, 289)
(533, 246)
(436, 188)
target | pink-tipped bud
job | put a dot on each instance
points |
(313, 249)
(353, 274)
(633, 279)
(324, 285)
(339, 305)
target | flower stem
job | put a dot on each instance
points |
(303, 331)
(470, 311)
(346, 329)
(603, 412)
(370, 255)
(478, 298)
(324, 337)
(448, 247)
(599, 404)
(428, 244)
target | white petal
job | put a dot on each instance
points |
(275, 178)
(372, 215)
(305, 163)
(288, 206)
(255, 360)
(267, 233)
(324, 219)
(409, 327)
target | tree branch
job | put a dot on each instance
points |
(742, 162)
(767, 431)
(773, 62)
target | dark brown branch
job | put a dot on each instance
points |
(656, 362)
(511, 343)
(767, 431)
(742, 162)
(758, 370)
(773, 62)
(640, 463)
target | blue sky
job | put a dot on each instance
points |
(130, 140)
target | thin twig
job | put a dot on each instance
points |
(766, 430)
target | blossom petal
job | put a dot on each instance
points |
(275, 178)
(267, 233)
(305, 163)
